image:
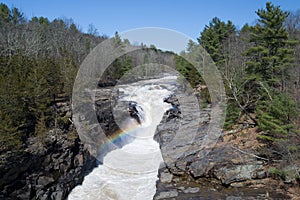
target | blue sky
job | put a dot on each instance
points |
(188, 17)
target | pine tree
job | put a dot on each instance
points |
(17, 17)
(117, 41)
(275, 116)
(4, 14)
(271, 56)
(38, 93)
(212, 38)
(188, 71)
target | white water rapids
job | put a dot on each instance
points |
(131, 172)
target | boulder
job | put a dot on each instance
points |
(166, 195)
(230, 174)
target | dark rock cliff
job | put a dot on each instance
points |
(230, 168)
(45, 170)
(50, 165)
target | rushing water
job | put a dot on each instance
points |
(131, 172)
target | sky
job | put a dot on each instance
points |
(188, 17)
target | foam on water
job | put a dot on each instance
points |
(131, 171)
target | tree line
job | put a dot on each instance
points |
(260, 67)
(39, 60)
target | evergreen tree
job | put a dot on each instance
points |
(212, 38)
(121, 66)
(188, 71)
(117, 41)
(4, 14)
(17, 17)
(275, 116)
(126, 65)
(270, 56)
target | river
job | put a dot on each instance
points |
(131, 172)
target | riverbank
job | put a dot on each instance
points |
(231, 169)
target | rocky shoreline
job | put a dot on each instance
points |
(231, 170)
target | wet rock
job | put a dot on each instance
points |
(44, 181)
(58, 195)
(136, 111)
(191, 190)
(173, 100)
(79, 160)
(166, 195)
(173, 112)
(166, 177)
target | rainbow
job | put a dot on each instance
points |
(120, 134)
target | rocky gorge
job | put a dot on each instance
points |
(52, 167)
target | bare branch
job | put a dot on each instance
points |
(251, 154)
(260, 83)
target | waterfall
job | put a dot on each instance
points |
(141, 113)
(131, 172)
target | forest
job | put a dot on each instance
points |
(260, 69)
(260, 66)
(39, 61)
